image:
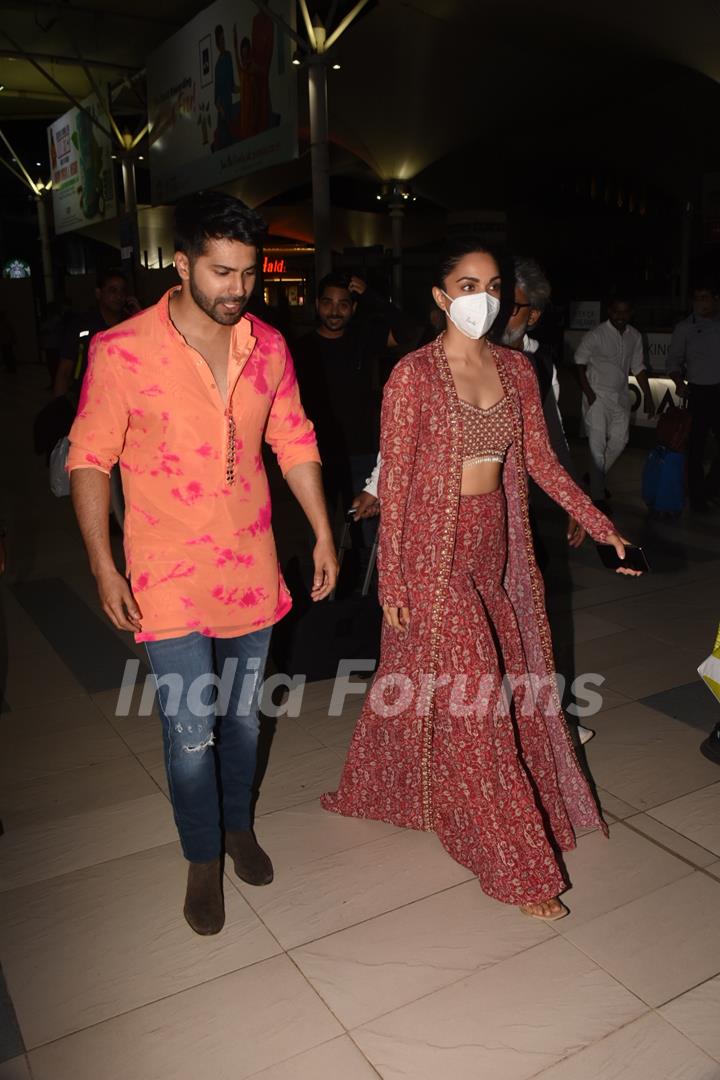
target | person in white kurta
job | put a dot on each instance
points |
(606, 357)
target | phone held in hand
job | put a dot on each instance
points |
(634, 558)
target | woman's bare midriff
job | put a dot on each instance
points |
(482, 478)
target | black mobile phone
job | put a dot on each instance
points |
(634, 558)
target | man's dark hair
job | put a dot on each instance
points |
(218, 31)
(333, 281)
(211, 215)
(109, 274)
(705, 286)
(453, 252)
(619, 298)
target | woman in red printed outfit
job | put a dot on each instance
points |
(444, 742)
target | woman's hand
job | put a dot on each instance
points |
(619, 543)
(397, 618)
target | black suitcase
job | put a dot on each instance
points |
(314, 638)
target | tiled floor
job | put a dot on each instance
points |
(372, 954)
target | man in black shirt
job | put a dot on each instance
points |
(339, 371)
(113, 307)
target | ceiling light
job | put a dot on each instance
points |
(38, 164)
(1, 89)
(336, 67)
(140, 157)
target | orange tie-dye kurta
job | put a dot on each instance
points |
(199, 547)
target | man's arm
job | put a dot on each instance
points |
(637, 367)
(90, 491)
(585, 383)
(644, 383)
(583, 355)
(402, 332)
(677, 358)
(305, 482)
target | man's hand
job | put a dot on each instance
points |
(357, 285)
(366, 505)
(619, 543)
(575, 532)
(118, 602)
(397, 618)
(326, 569)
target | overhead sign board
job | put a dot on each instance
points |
(81, 168)
(222, 98)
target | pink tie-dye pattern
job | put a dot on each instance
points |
(262, 522)
(130, 361)
(173, 470)
(193, 492)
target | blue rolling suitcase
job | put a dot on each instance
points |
(663, 481)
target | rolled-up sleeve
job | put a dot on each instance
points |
(289, 431)
(98, 433)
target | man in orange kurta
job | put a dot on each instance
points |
(182, 395)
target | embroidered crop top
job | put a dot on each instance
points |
(487, 433)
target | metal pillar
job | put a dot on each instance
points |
(397, 214)
(685, 249)
(48, 278)
(320, 163)
(129, 232)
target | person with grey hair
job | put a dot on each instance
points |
(552, 529)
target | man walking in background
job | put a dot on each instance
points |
(695, 356)
(605, 358)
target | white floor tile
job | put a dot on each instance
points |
(646, 758)
(506, 1023)
(696, 816)
(87, 946)
(228, 1029)
(44, 851)
(314, 899)
(608, 873)
(647, 1049)
(374, 968)
(336, 1060)
(671, 839)
(697, 1015)
(660, 945)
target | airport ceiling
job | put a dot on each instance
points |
(436, 92)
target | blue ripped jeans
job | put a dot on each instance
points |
(208, 696)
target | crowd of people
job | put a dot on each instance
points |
(468, 471)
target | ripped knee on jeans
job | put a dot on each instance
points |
(205, 745)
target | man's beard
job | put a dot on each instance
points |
(512, 337)
(212, 307)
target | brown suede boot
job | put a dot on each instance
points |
(251, 863)
(204, 908)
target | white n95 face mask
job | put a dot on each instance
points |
(473, 313)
